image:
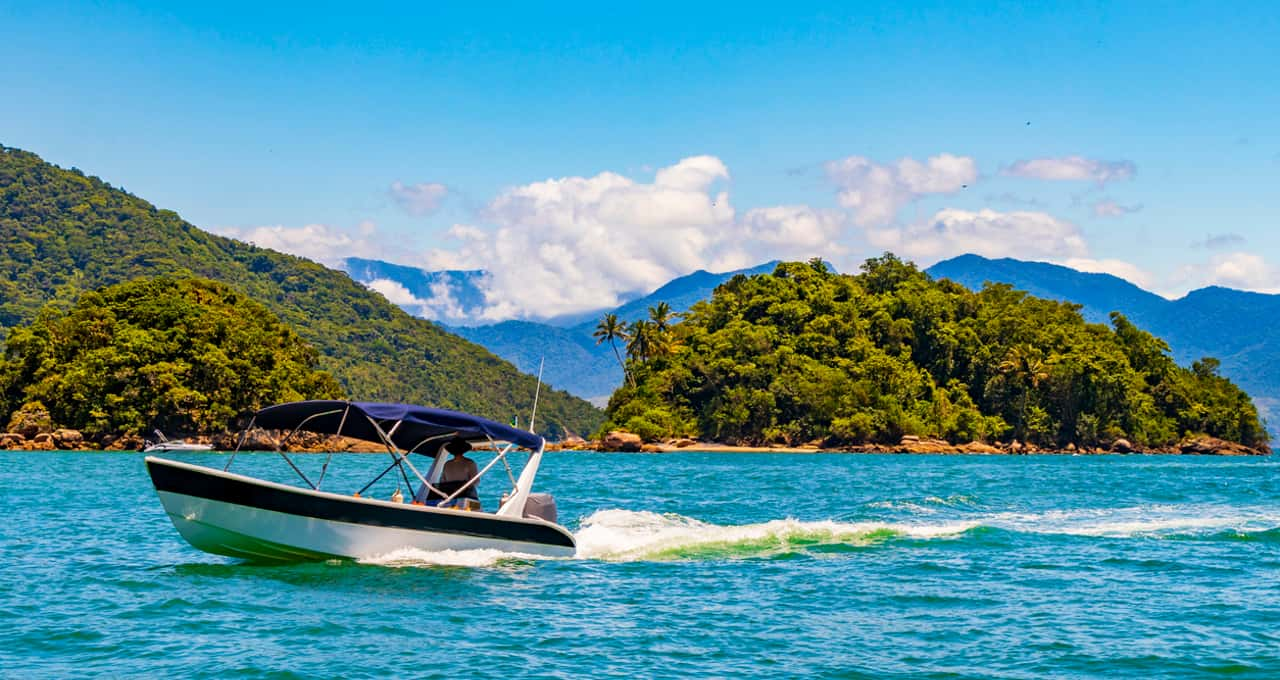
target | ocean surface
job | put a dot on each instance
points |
(690, 564)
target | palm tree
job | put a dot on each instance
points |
(661, 316)
(643, 340)
(611, 330)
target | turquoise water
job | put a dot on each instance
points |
(690, 564)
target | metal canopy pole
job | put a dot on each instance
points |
(393, 449)
(510, 475)
(391, 433)
(325, 467)
(298, 428)
(244, 435)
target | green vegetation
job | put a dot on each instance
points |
(62, 234)
(804, 354)
(182, 355)
(611, 330)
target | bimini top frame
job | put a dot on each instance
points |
(404, 429)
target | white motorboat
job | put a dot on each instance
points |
(222, 512)
(163, 443)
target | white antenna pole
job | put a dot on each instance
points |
(536, 390)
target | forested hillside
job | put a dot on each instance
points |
(63, 233)
(184, 355)
(806, 354)
(1231, 325)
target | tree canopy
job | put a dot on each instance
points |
(186, 355)
(805, 354)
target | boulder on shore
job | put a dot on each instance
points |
(1122, 446)
(128, 442)
(914, 444)
(1212, 446)
(12, 440)
(41, 442)
(979, 447)
(619, 440)
(65, 438)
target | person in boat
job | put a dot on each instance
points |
(458, 470)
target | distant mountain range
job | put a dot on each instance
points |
(574, 362)
(453, 297)
(1230, 325)
(462, 288)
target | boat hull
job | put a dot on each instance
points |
(238, 516)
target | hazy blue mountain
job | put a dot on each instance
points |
(1100, 294)
(679, 292)
(573, 361)
(1230, 325)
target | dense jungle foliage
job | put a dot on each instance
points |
(805, 354)
(63, 233)
(180, 355)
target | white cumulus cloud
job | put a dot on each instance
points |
(1247, 271)
(1126, 270)
(578, 243)
(1238, 269)
(419, 199)
(1076, 168)
(395, 292)
(323, 243)
(791, 232)
(1024, 235)
(875, 192)
(442, 305)
(1109, 208)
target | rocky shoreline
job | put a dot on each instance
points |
(63, 439)
(626, 441)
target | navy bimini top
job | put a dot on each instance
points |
(417, 423)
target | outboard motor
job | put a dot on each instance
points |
(540, 505)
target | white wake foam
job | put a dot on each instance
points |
(414, 557)
(1138, 521)
(628, 535)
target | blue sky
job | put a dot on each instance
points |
(1152, 149)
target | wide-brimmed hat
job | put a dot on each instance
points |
(457, 446)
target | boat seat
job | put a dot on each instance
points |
(429, 497)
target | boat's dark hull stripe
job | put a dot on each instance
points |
(201, 485)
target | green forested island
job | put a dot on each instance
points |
(63, 233)
(185, 355)
(804, 355)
